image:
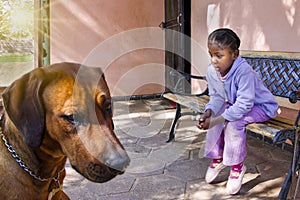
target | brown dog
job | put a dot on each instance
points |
(51, 114)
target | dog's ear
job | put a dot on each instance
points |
(22, 102)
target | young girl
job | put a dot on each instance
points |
(237, 98)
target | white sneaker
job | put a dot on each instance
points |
(212, 173)
(234, 184)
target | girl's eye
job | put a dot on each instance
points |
(219, 56)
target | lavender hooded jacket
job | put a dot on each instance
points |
(242, 89)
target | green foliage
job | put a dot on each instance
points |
(16, 22)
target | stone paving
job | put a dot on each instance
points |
(176, 170)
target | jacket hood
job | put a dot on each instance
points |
(238, 61)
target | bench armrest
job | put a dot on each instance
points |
(190, 76)
(181, 77)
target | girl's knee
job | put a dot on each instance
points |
(236, 126)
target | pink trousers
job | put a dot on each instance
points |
(228, 140)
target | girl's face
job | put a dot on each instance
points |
(222, 58)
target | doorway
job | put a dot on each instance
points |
(177, 41)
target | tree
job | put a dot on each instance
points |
(16, 22)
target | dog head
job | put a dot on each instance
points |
(66, 108)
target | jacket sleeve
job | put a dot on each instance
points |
(216, 92)
(245, 96)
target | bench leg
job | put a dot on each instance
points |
(287, 184)
(297, 186)
(177, 116)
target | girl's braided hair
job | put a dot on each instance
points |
(224, 37)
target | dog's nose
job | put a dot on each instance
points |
(118, 162)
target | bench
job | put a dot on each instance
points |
(279, 71)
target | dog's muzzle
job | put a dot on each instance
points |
(117, 163)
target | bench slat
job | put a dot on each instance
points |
(281, 122)
(284, 102)
(195, 103)
(270, 127)
(263, 129)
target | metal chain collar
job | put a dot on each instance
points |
(22, 164)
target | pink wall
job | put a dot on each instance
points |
(107, 34)
(263, 25)
(123, 38)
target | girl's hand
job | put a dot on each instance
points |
(204, 120)
(204, 125)
(207, 114)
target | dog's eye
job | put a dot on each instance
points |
(108, 108)
(69, 118)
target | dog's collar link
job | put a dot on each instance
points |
(55, 190)
(26, 169)
(22, 164)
